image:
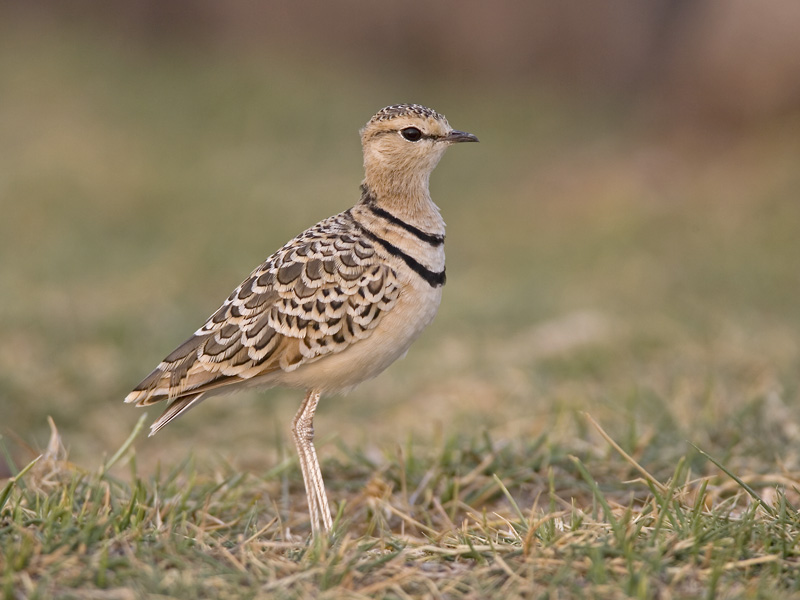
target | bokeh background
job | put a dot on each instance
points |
(624, 241)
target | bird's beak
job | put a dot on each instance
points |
(459, 136)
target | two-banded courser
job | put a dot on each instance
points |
(337, 304)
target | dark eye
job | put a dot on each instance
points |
(412, 134)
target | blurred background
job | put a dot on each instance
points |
(624, 241)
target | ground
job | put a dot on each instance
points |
(606, 405)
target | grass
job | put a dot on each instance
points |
(472, 518)
(598, 265)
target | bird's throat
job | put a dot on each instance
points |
(410, 204)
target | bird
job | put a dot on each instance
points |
(334, 306)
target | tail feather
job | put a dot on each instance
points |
(175, 409)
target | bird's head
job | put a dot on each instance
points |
(406, 141)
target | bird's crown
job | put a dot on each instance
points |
(406, 110)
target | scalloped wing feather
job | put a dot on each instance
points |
(322, 292)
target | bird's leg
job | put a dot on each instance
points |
(323, 514)
(303, 458)
(303, 433)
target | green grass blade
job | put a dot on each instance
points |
(510, 498)
(753, 494)
(124, 448)
(6, 493)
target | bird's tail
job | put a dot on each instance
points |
(176, 408)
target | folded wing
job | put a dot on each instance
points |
(317, 295)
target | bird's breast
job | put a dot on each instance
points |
(416, 307)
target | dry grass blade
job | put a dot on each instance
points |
(661, 487)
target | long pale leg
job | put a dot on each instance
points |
(303, 433)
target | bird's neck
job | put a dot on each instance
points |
(408, 199)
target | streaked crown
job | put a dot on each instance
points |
(403, 110)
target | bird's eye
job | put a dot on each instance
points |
(412, 134)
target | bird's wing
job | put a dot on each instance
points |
(320, 293)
